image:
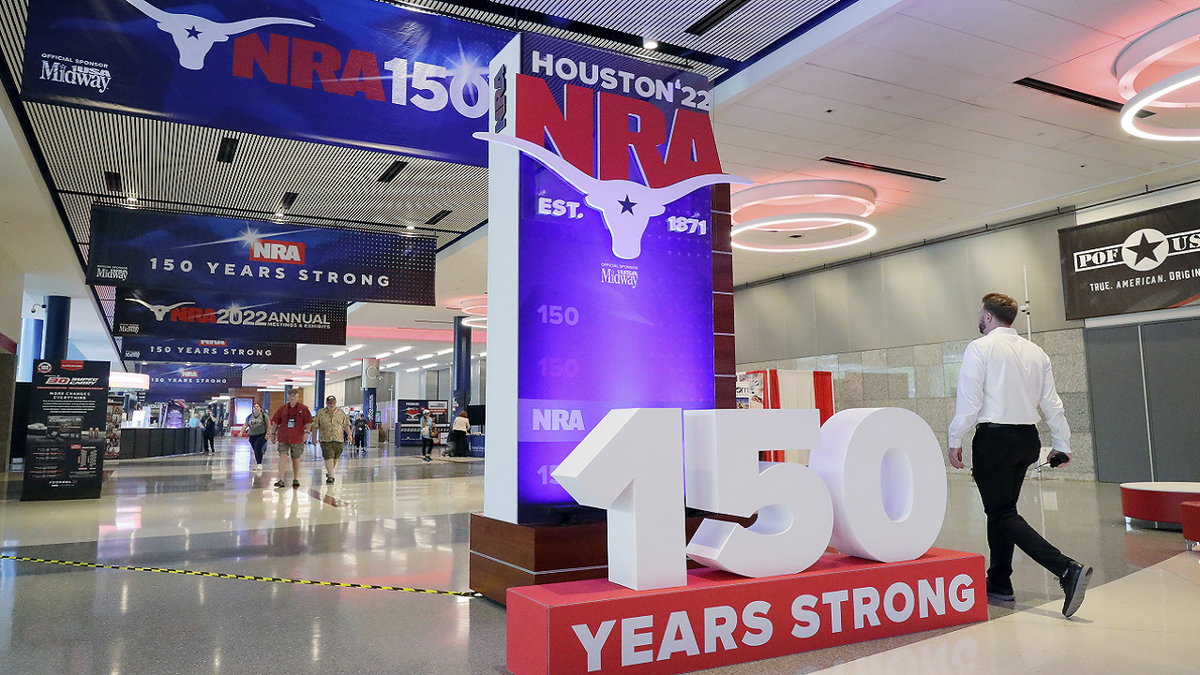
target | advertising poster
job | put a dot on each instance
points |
(348, 72)
(617, 160)
(136, 248)
(66, 440)
(223, 316)
(207, 351)
(1132, 264)
(193, 384)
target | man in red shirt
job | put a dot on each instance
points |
(289, 427)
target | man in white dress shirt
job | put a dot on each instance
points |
(1003, 381)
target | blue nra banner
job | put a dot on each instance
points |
(193, 384)
(217, 316)
(349, 72)
(207, 351)
(135, 248)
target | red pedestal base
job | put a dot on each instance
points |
(719, 619)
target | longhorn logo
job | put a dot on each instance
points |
(627, 206)
(160, 311)
(195, 35)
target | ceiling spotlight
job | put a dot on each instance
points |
(649, 43)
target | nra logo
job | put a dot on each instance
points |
(189, 373)
(214, 343)
(267, 250)
(557, 420)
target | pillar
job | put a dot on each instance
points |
(461, 367)
(58, 327)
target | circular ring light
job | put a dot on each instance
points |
(479, 322)
(864, 195)
(795, 193)
(1153, 47)
(1150, 97)
(829, 220)
(475, 305)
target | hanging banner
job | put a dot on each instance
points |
(348, 72)
(136, 248)
(1150, 260)
(601, 169)
(190, 383)
(207, 351)
(223, 316)
(65, 442)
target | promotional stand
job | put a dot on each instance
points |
(66, 441)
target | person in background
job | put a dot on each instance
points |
(333, 425)
(428, 431)
(210, 432)
(360, 432)
(1003, 381)
(255, 428)
(458, 433)
(289, 427)
(193, 422)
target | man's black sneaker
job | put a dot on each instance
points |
(279, 483)
(295, 484)
(328, 479)
(1000, 594)
(1074, 584)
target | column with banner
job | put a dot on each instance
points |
(599, 249)
(64, 451)
(370, 390)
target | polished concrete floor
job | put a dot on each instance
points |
(396, 521)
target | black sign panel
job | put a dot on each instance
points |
(1137, 263)
(193, 384)
(221, 316)
(64, 448)
(136, 248)
(207, 351)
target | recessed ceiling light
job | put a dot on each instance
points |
(445, 351)
(383, 355)
(227, 150)
(392, 171)
(412, 370)
(650, 43)
(315, 363)
(483, 353)
(432, 365)
(286, 201)
(425, 356)
(402, 350)
(337, 354)
(112, 181)
(354, 348)
(438, 217)
(391, 365)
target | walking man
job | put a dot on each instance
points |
(333, 425)
(289, 426)
(1004, 379)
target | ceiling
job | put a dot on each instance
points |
(925, 86)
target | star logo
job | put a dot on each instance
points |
(1144, 250)
(193, 33)
(627, 205)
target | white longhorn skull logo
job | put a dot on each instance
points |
(195, 35)
(627, 206)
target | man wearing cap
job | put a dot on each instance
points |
(289, 427)
(332, 423)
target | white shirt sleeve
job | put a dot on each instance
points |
(1052, 408)
(970, 395)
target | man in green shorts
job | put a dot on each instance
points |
(289, 427)
(333, 424)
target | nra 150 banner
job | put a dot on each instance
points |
(207, 351)
(219, 316)
(190, 383)
(611, 161)
(136, 248)
(1146, 261)
(349, 72)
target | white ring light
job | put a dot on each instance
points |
(1150, 96)
(475, 305)
(863, 195)
(831, 220)
(1152, 47)
(479, 322)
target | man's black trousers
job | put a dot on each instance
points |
(1000, 455)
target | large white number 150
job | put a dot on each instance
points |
(875, 487)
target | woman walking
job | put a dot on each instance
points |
(428, 434)
(256, 428)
